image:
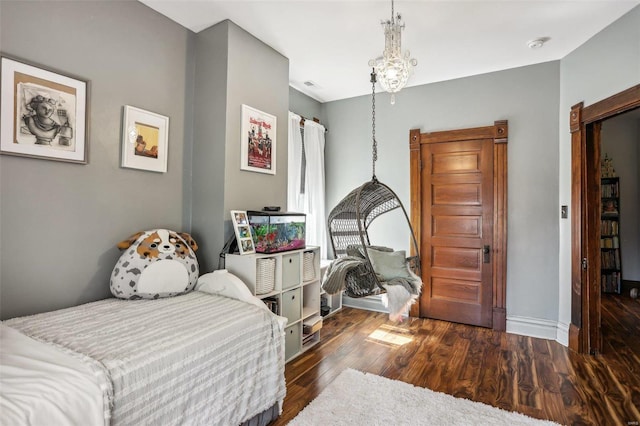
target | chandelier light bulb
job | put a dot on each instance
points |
(394, 67)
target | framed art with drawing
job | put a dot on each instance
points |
(145, 138)
(258, 141)
(43, 114)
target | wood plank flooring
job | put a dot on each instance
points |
(537, 377)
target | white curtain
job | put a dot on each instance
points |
(310, 200)
(295, 201)
(314, 185)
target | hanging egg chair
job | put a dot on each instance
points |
(349, 222)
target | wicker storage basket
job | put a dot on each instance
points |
(265, 275)
(308, 266)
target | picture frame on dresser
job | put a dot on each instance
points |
(242, 230)
(145, 140)
(43, 113)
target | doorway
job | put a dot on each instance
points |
(585, 126)
(458, 212)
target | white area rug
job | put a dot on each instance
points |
(356, 398)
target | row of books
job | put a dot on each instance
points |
(609, 190)
(610, 259)
(609, 227)
(610, 283)
(610, 242)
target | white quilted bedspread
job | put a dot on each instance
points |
(192, 359)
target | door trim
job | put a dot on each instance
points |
(584, 125)
(499, 133)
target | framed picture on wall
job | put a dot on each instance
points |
(145, 137)
(243, 231)
(43, 113)
(258, 141)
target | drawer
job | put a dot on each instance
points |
(291, 305)
(292, 341)
(290, 270)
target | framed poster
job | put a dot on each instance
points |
(43, 114)
(145, 137)
(258, 141)
(243, 231)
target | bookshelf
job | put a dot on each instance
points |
(610, 264)
(289, 284)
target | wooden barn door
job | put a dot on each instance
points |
(457, 216)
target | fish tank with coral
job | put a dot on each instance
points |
(274, 232)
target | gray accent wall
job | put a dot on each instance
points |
(233, 68)
(305, 106)
(60, 222)
(209, 142)
(258, 77)
(605, 65)
(528, 98)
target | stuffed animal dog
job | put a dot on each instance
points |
(156, 263)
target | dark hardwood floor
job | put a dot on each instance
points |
(536, 377)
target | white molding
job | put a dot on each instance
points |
(533, 327)
(563, 334)
(369, 303)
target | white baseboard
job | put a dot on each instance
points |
(369, 303)
(533, 327)
(563, 334)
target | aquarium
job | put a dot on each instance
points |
(273, 232)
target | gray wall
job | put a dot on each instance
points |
(265, 87)
(225, 81)
(621, 141)
(528, 98)
(605, 65)
(304, 105)
(209, 139)
(60, 222)
(78, 213)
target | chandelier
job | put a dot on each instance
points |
(393, 68)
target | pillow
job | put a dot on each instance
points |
(356, 250)
(156, 263)
(388, 265)
(224, 283)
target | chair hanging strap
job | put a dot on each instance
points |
(373, 126)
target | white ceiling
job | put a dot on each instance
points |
(330, 42)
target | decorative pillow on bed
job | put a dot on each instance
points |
(156, 263)
(389, 265)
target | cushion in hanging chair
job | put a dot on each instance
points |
(389, 265)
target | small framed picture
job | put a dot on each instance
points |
(258, 141)
(243, 231)
(145, 137)
(43, 114)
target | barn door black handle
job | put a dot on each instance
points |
(486, 254)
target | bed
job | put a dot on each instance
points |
(198, 358)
